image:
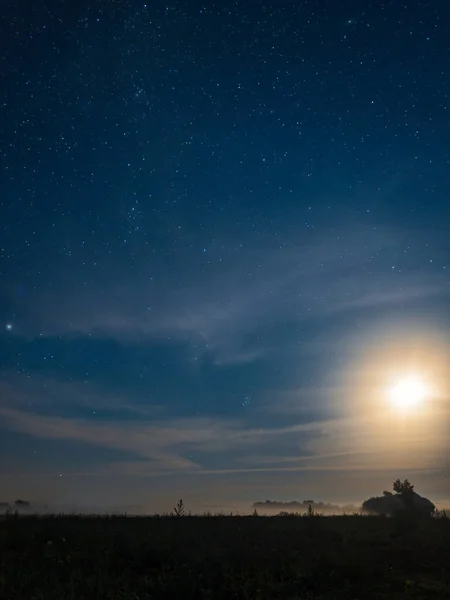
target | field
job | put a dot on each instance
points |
(195, 558)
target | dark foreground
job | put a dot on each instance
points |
(194, 558)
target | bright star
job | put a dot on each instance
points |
(9, 326)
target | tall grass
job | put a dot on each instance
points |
(223, 557)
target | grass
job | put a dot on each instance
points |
(196, 558)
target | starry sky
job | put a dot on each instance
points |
(223, 231)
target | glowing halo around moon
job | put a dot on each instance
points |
(408, 393)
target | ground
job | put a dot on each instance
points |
(248, 558)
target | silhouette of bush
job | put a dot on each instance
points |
(405, 501)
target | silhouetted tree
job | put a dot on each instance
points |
(403, 487)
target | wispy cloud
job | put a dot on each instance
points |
(225, 308)
(52, 396)
(350, 443)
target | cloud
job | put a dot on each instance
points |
(223, 310)
(409, 292)
(53, 396)
(229, 445)
(159, 442)
(153, 443)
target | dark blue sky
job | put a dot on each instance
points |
(223, 236)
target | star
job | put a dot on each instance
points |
(8, 327)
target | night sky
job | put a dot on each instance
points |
(224, 233)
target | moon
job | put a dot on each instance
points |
(408, 393)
